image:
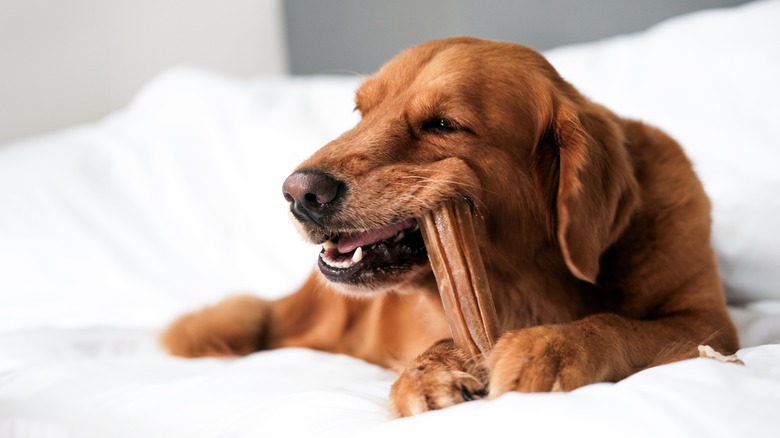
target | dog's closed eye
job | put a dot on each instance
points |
(439, 125)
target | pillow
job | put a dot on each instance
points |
(168, 205)
(709, 79)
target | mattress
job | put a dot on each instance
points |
(110, 230)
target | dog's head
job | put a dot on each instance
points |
(464, 118)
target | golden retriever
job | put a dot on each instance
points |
(596, 241)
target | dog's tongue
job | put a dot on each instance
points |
(349, 242)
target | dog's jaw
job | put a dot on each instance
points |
(372, 242)
(369, 260)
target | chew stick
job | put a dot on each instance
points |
(450, 238)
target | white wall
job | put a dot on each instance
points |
(66, 62)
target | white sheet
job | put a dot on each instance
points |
(101, 382)
(108, 231)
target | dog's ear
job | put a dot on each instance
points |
(597, 190)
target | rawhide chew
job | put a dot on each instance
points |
(449, 233)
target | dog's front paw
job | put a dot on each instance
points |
(231, 328)
(441, 377)
(539, 359)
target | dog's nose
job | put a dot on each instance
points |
(310, 193)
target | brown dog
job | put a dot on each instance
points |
(597, 241)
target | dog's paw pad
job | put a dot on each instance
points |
(433, 387)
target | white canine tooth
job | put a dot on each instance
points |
(416, 227)
(334, 264)
(399, 237)
(328, 245)
(358, 255)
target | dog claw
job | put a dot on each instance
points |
(466, 394)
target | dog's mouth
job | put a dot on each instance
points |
(370, 256)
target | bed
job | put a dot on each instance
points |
(110, 230)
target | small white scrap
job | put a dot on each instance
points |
(709, 352)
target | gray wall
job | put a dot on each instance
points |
(357, 36)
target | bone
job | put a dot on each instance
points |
(449, 232)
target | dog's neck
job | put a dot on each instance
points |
(522, 296)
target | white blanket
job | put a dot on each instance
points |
(109, 231)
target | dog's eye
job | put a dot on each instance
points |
(439, 125)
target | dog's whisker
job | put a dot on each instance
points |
(446, 182)
(480, 206)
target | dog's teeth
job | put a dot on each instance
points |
(334, 264)
(358, 255)
(328, 245)
(399, 237)
(416, 227)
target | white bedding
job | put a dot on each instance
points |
(108, 231)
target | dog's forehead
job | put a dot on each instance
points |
(454, 64)
(423, 66)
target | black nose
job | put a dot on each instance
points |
(311, 194)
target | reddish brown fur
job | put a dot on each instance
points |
(597, 243)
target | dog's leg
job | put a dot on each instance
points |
(232, 327)
(244, 324)
(599, 348)
(442, 376)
